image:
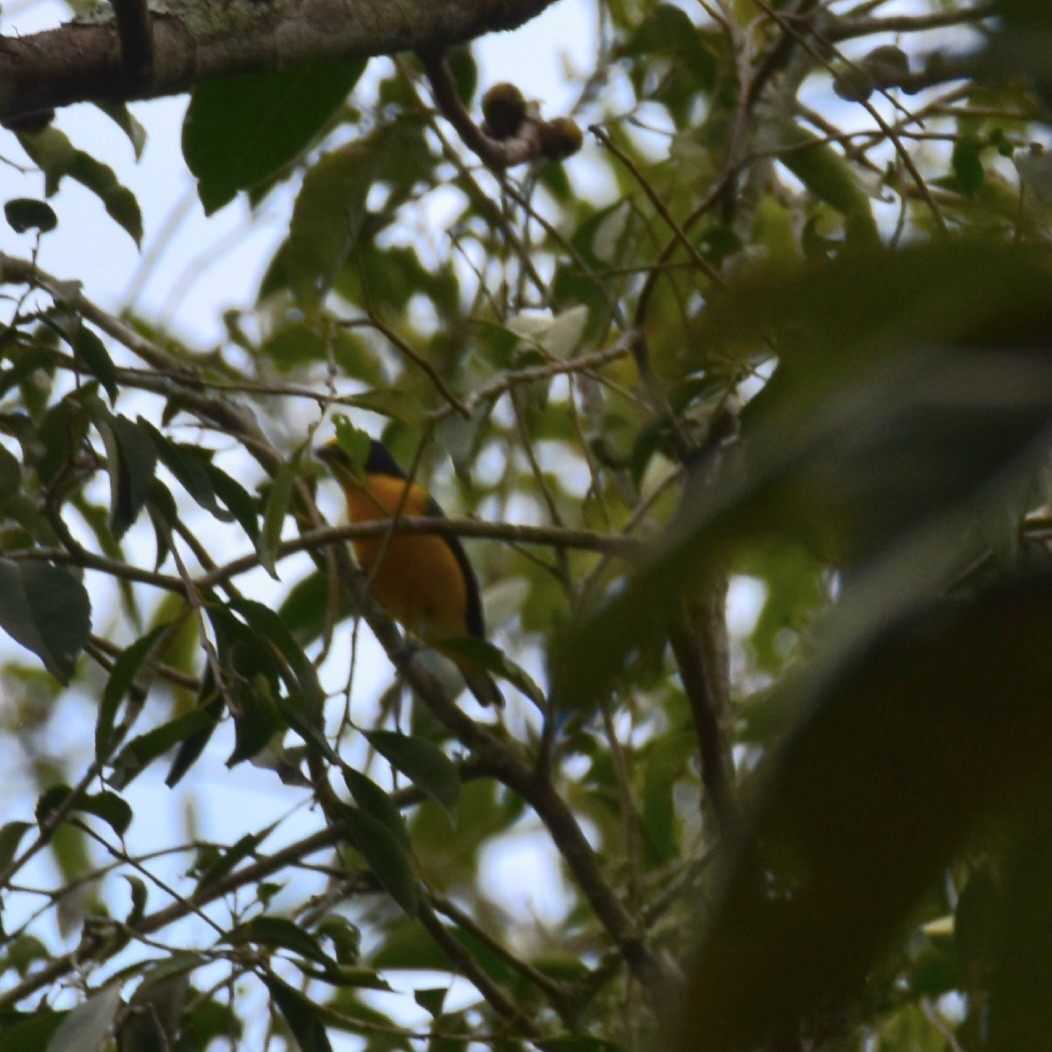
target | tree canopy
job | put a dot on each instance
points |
(733, 377)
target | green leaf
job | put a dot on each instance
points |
(326, 221)
(896, 758)
(374, 801)
(33, 1031)
(227, 861)
(56, 156)
(346, 938)
(10, 475)
(189, 465)
(11, 834)
(397, 403)
(422, 762)
(386, 855)
(92, 352)
(191, 747)
(300, 1014)
(88, 1026)
(240, 131)
(828, 175)
(257, 720)
(46, 610)
(108, 806)
(277, 507)
(237, 499)
(280, 933)
(269, 626)
(431, 1000)
(967, 164)
(143, 750)
(122, 676)
(157, 1005)
(122, 117)
(132, 459)
(304, 609)
(138, 897)
(25, 213)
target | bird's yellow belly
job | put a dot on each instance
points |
(419, 583)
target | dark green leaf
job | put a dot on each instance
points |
(157, 1005)
(24, 213)
(32, 1032)
(431, 1000)
(346, 938)
(92, 352)
(269, 626)
(142, 751)
(189, 465)
(968, 164)
(10, 475)
(278, 933)
(131, 460)
(386, 855)
(257, 720)
(277, 507)
(934, 703)
(237, 499)
(374, 801)
(240, 131)
(122, 676)
(300, 1014)
(228, 860)
(138, 896)
(422, 762)
(191, 747)
(46, 610)
(11, 835)
(105, 805)
(305, 608)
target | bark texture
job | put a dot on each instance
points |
(191, 42)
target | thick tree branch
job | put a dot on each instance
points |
(84, 63)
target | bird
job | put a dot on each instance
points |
(424, 581)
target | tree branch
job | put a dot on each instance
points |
(196, 41)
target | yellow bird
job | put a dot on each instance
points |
(424, 581)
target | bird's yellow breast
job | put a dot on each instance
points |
(417, 579)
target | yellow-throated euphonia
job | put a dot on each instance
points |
(424, 581)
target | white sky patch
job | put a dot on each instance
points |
(522, 872)
(745, 599)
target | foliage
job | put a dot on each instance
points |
(783, 329)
